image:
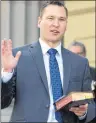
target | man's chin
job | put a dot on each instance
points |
(54, 40)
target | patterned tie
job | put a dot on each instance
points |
(55, 80)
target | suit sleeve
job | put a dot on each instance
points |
(8, 92)
(87, 80)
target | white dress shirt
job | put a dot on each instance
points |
(44, 47)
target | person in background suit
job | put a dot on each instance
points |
(38, 74)
(80, 49)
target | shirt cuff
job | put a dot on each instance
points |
(83, 117)
(6, 76)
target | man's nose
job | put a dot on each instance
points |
(56, 23)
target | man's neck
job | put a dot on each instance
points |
(51, 44)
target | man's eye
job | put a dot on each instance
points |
(62, 19)
(50, 18)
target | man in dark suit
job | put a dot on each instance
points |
(80, 49)
(45, 72)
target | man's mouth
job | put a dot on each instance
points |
(55, 31)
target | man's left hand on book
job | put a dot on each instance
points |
(80, 110)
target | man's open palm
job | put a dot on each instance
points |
(8, 61)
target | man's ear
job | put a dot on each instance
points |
(39, 21)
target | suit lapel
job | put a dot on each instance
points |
(66, 70)
(36, 54)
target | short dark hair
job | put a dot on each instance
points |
(77, 43)
(58, 3)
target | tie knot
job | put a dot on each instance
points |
(52, 51)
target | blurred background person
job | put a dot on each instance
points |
(80, 49)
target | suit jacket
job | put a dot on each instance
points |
(29, 85)
(93, 73)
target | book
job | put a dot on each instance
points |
(73, 99)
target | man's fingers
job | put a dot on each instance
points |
(83, 106)
(9, 43)
(77, 109)
(6, 46)
(79, 113)
(2, 43)
(9, 46)
(2, 46)
(18, 56)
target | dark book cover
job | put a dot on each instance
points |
(74, 99)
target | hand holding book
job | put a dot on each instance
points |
(74, 99)
(79, 111)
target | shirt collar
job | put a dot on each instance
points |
(46, 47)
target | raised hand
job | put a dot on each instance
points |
(8, 61)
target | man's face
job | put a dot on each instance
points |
(77, 50)
(53, 23)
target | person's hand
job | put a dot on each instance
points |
(79, 111)
(8, 61)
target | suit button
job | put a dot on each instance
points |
(47, 106)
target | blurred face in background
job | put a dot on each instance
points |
(53, 23)
(78, 50)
